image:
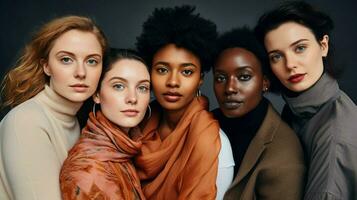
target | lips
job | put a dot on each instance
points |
(79, 87)
(172, 96)
(296, 78)
(230, 105)
(130, 112)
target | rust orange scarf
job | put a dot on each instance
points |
(184, 164)
(99, 166)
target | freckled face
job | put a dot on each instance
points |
(238, 82)
(74, 65)
(295, 55)
(176, 77)
(125, 93)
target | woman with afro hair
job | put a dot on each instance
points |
(181, 140)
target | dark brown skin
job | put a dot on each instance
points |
(238, 82)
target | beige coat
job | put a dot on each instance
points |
(273, 166)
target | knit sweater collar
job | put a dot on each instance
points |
(309, 102)
(63, 109)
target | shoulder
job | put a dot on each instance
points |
(24, 118)
(285, 144)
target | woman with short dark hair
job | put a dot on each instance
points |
(297, 37)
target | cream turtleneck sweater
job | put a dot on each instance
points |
(34, 139)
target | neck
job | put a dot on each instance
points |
(169, 121)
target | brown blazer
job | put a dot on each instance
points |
(273, 166)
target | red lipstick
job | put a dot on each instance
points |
(296, 78)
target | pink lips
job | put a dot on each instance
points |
(296, 78)
(130, 112)
(79, 87)
(172, 96)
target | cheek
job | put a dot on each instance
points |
(219, 91)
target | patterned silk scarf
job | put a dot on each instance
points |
(99, 166)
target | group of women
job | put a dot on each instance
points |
(173, 147)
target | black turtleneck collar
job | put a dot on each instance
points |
(241, 130)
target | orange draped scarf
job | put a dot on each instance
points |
(184, 164)
(99, 166)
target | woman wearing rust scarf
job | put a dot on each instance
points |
(181, 143)
(99, 166)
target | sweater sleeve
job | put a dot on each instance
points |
(30, 163)
(199, 181)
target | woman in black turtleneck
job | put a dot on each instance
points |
(267, 154)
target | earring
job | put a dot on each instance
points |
(149, 109)
(198, 93)
(93, 109)
(265, 89)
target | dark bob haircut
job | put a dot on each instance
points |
(302, 13)
(179, 26)
(244, 38)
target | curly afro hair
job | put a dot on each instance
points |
(179, 26)
(245, 38)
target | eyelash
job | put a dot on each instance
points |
(69, 60)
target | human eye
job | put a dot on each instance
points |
(92, 61)
(119, 86)
(162, 70)
(187, 72)
(300, 48)
(219, 78)
(66, 60)
(275, 57)
(244, 77)
(144, 88)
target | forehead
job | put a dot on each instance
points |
(76, 41)
(237, 58)
(129, 69)
(175, 55)
(287, 33)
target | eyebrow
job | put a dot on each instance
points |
(181, 65)
(124, 80)
(240, 68)
(292, 44)
(72, 54)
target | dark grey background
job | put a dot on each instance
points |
(121, 21)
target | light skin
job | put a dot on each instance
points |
(295, 55)
(176, 77)
(74, 65)
(238, 82)
(124, 94)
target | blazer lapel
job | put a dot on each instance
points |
(257, 146)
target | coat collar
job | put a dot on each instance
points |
(309, 102)
(257, 146)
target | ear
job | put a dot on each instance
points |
(201, 79)
(46, 69)
(96, 98)
(266, 84)
(324, 45)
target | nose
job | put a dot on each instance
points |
(131, 97)
(80, 71)
(231, 86)
(173, 79)
(290, 61)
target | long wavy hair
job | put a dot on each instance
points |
(27, 77)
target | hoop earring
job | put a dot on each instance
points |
(149, 109)
(198, 93)
(93, 109)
